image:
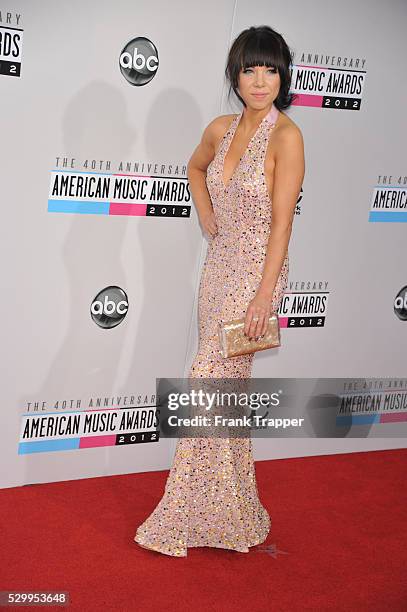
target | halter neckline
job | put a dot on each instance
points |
(271, 117)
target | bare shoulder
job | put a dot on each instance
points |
(218, 127)
(286, 147)
(287, 132)
(210, 141)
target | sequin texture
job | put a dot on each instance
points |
(211, 495)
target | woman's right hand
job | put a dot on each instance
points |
(208, 222)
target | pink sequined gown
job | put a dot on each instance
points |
(211, 496)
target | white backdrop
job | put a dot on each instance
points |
(67, 101)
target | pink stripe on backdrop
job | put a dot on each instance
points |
(283, 321)
(307, 100)
(140, 175)
(393, 418)
(93, 441)
(123, 208)
(317, 67)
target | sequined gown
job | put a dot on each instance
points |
(211, 496)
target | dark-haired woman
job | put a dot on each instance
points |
(245, 178)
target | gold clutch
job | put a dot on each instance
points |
(233, 342)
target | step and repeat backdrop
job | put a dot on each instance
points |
(102, 106)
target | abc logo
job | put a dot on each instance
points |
(400, 304)
(109, 307)
(139, 61)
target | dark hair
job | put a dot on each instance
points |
(261, 46)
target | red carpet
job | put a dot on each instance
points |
(338, 524)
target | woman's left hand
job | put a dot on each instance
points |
(257, 315)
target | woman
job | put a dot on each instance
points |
(245, 178)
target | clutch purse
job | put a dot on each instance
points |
(233, 342)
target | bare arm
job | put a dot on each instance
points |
(196, 170)
(288, 176)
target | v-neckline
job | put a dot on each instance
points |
(238, 119)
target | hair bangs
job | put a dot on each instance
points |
(261, 51)
(261, 46)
